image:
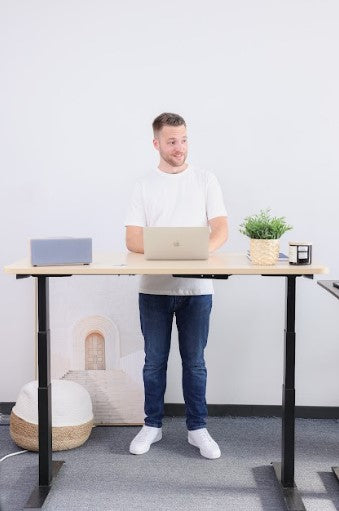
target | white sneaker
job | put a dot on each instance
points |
(144, 439)
(202, 439)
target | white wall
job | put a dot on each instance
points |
(256, 81)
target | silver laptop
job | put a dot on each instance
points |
(176, 242)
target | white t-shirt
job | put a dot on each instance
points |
(187, 199)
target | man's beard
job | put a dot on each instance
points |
(174, 161)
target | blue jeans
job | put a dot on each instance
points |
(192, 318)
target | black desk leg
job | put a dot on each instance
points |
(47, 468)
(285, 470)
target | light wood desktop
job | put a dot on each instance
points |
(220, 265)
(131, 263)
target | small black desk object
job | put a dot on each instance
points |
(332, 286)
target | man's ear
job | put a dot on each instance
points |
(156, 144)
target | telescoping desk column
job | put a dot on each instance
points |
(220, 266)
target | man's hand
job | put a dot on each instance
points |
(135, 239)
(219, 232)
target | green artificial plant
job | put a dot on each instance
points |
(263, 226)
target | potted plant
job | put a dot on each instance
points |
(264, 232)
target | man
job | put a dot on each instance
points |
(175, 194)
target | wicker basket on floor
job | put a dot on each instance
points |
(72, 416)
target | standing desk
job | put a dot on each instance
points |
(328, 285)
(218, 266)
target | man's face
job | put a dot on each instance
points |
(171, 142)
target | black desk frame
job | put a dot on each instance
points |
(283, 470)
(328, 285)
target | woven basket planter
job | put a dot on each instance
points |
(264, 252)
(72, 416)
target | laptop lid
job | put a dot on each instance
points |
(176, 242)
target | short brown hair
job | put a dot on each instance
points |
(167, 119)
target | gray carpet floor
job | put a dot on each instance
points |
(102, 475)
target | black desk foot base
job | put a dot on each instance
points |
(336, 472)
(291, 494)
(39, 494)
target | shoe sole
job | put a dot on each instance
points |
(144, 452)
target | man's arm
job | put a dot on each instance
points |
(135, 238)
(219, 232)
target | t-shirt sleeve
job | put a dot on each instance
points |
(214, 202)
(136, 211)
